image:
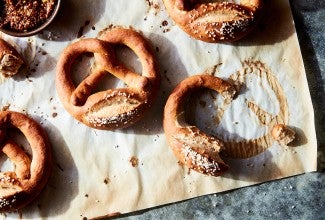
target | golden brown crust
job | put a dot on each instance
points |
(19, 188)
(215, 22)
(18, 157)
(191, 146)
(113, 108)
(10, 59)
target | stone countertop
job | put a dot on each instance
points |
(299, 197)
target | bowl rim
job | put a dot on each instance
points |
(38, 29)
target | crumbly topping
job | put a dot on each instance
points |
(25, 15)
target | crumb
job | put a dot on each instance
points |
(5, 107)
(80, 32)
(134, 161)
(164, 23)
(106, 180)
(81, 29)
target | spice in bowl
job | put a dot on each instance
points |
(25, 15)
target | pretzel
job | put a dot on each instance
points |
(10, 59)
(18, 188)
(217, 21)
(191, 146)
(113, 108)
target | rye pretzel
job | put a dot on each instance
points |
(18, 188)
(191, 146)
(113, 108)
(10, 59)
(217, 21)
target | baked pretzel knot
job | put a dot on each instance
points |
(215, 21)
(113, 108)
(191, 146)
(21, 186)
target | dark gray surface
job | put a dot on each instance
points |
(299, 197)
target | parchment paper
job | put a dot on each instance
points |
(92, 170)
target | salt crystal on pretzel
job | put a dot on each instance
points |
(217, 21)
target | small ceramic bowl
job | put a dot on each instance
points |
(37, 29)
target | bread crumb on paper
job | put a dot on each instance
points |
(134, 161)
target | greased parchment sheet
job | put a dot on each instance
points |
(96, 173)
